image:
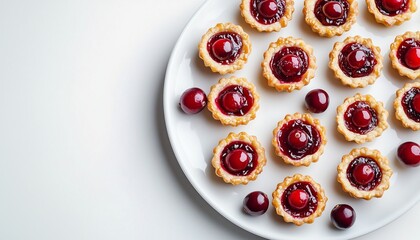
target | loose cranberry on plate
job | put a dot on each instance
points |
(193, 100)
(343, 216)
(255, 203)
(317, 101)
(409, 154)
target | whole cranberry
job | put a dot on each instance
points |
(290, 65)
(317, 101)
(333, 10)
(255, 203)
(392, 5)
(409, 153)
(412, 58)
(343, 216)
(193, 100)
(268, 8)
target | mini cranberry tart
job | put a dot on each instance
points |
(364, 173)
(405, 54)
(238, 158)
(361, 118)
(233, 101)
(267, 15)
(407, 105)
(391, 12)
(289, 64)
(299, 139)
(299, 199)
(356, 61)
(330, 18)
(225, 48)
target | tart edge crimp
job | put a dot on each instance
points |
(229, 178)
(390, 20)
(307, 160)
(281, 187)
(383, 164)
(402, 70)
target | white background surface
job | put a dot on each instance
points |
(84, 152)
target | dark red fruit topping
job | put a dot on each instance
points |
(343, 216)
(363, 174)
(392, 7)
(317, 101)
(356, 60)
(411, 104)
(255, 203)
(235, 100)
(237, 160)
(268, 8)
(300, 199)
(233, 160)
(193, 100)
(313, 141)
(361, 117)
(357, 119)
(297, 139)
(332, 13)
(267, 11)
(412, 58)
(225, 47)
(289, 64)
(359, 173)
(333, 10)
(405, 49)
(409, 153)
(222, 49)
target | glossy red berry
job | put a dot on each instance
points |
(361, 117)
(255, 203)
(237, 160)
(363, 174)
(357, 59)
(297, 139)
(343, 216)
(409, 154)
(333, 10)
(222, 48)
(268, 8)
(193, 100)
(298, 199)
(317, 101)
(233, 101)
(416, 103)
(392, 5)
(290, 65)
(412, 58)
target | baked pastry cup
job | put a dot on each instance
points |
(225, 48)
(299, 139)
(405, 54)
(299, 199)
(391, 13)
(233, 101)
(407, 105)
(267, 15)
(289, 64)
(238, 158)
(361, 118)
(330, 18)
(364, 173)
(356, 61)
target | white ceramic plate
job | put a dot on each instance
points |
(193, 137)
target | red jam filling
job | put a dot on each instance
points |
(364, 173)
(411, 104)
(300, 199)
(225, 47)
(239, 158)
(289, 64)
(408, 57)
(360, 118)
(392, 7)
(356, 60)
(235, 100)
(332, 12)
(267, 11)
(301, 146)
